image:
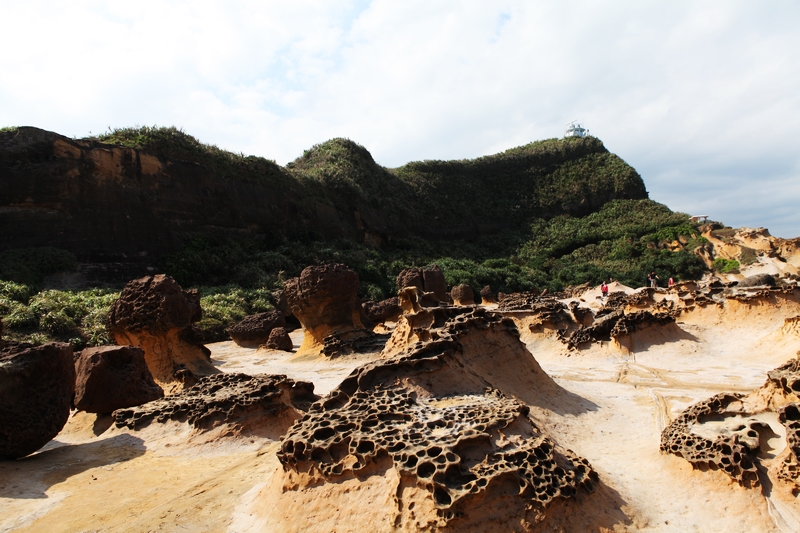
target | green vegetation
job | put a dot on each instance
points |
(32, 265)
(225, 306)
(748, 256)
(173, 143)
(66, 316)
(726, 266)
(8, 129)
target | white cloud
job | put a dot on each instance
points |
(702, 98)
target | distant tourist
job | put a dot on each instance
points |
(653, 279)
(604, 289)
(671, 282)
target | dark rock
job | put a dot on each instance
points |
(279, 340)
(410, 277)
(433, 281)
(113, 377)
(254, 330)
(462, 295)
(383, 311)
(758, 280)
(37, 385)
(487, 296)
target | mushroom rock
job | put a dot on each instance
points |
(37, 384)
(324, 299)
(113, 377)
(462, 295)
(254, 330)
(487, 296)
(263, 404)
(443, 432)
(279, 340)
(155, 314)
(433, 281)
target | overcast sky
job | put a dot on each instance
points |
(702, 98)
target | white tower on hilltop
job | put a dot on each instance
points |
(574, 129)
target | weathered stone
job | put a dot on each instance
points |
(279, 340)
(236, 399)
(410, 277)
(384, 311)
(37, 384)
(155, 314)
(462, 295)
(433, 281)
(324, 298)
(757, 280)
(487, 296)
(254, 330)
(113, 377)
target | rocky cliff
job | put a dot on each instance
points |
(135, 201)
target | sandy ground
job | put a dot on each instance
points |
(165, 478)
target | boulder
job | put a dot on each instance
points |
(758, 280)
(113, 377)
(410, 277)
(384, 311)
(254, 330)
(37, 384)
(155, 314)
(433, 281)
(279, 340)
(487, 296)
(324, 298)
(462, 295)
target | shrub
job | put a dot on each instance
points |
(726, 266)
(31, 265)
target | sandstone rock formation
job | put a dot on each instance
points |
(442, 429)
(462, 295)
(429, 279)
(246, 403)
(279, 340)
(487, 296)
(37, 384)
(155, 314)
(254, 330)
(324, 299)
(410, 277)
(113, 377)
(757, 280)
(743, 435)
(384, 311)
(411, 299)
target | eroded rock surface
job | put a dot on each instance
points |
(324, 299)
(487, 296)
(746, 436)
(462, 295)
(235, 399)
(383, 311)
(113, 377)
(37, 384)
(279, 340)
(437, 417)
(155, 314)
(254, 330)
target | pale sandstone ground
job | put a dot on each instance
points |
(164, 478)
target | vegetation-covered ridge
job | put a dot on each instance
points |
(548, 214)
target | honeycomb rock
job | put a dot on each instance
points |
(254, 330)
(410, 277)
(462, 295)
(412, 300)
(437, 416)
(113, 377)
(155, 314)
(355, 341)
(234, 398)
(279, 340)
(324, 299)
(519, 301)
(383, 311)
(729, 453)
(37, 384)
(789, 469)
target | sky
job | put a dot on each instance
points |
(702, 98)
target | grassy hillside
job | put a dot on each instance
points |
(548, 214)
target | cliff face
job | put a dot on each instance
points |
(114, 204)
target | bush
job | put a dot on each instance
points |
(31, 265)
(726, 266)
